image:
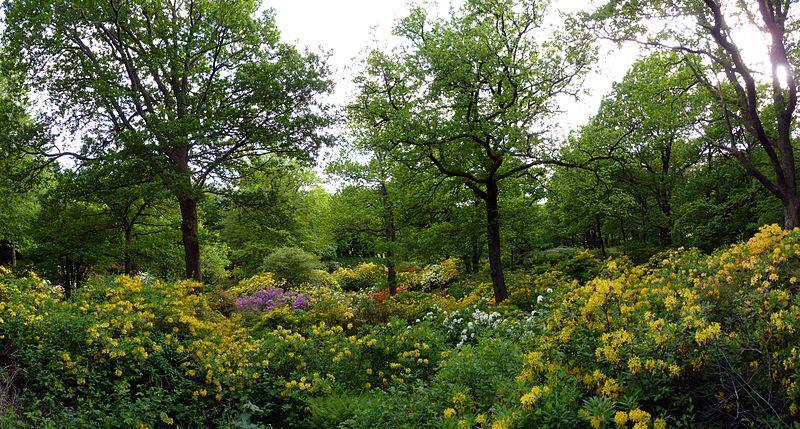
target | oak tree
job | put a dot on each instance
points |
(191, 88)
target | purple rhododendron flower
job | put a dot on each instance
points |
(300, 302)
(271, 298)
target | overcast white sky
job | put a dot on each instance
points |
(345, 28)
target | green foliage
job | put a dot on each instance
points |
(334, 410)
(582, 266)
(214, 262)
(278, 206)
(226, 92)
(634, 345)
(292, 264)
(480, 376)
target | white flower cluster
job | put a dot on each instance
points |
(56, 289)
(466, 326)
(540, 298)
(146, 277)
(432, 278)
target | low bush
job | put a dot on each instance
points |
(366, 276)
(292, 264)
(686, 340)
(125, 353)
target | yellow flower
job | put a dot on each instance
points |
(531, 397)
(639, 416)
(634, 365)
(501, 424)
(118, 373)
(621, 418)
(610, 388)
(659, 424)
(708, 334)
(449, 412)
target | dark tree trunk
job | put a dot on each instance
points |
(779, 149)
(391, 272)
(493, 236)
(67, 275)
(791, 212)
(391, 237)
(602, 243)
(189, 223)
(477, 250)
(128, 256)
(663, 236)
(190, 236)
(467, 264)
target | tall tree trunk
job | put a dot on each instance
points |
(602, 243)
(493, 236)
(128, 256)
(477, 250)
(791, 211)
(663, 236)
(13, 255)
(391, 272)
(189, 224)
(67, 275)
(391, 236)
(190, 236)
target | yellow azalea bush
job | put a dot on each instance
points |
(685, 340)
(409, 278)
(670, 332)
(364, 276)
(324, 279)
(121, 344)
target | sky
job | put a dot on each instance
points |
(346, 28)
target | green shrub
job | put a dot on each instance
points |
(333, 410)
(480, 376)
(292, 264)
(582, 266)
(214, 262)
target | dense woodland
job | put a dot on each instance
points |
(193, 235)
